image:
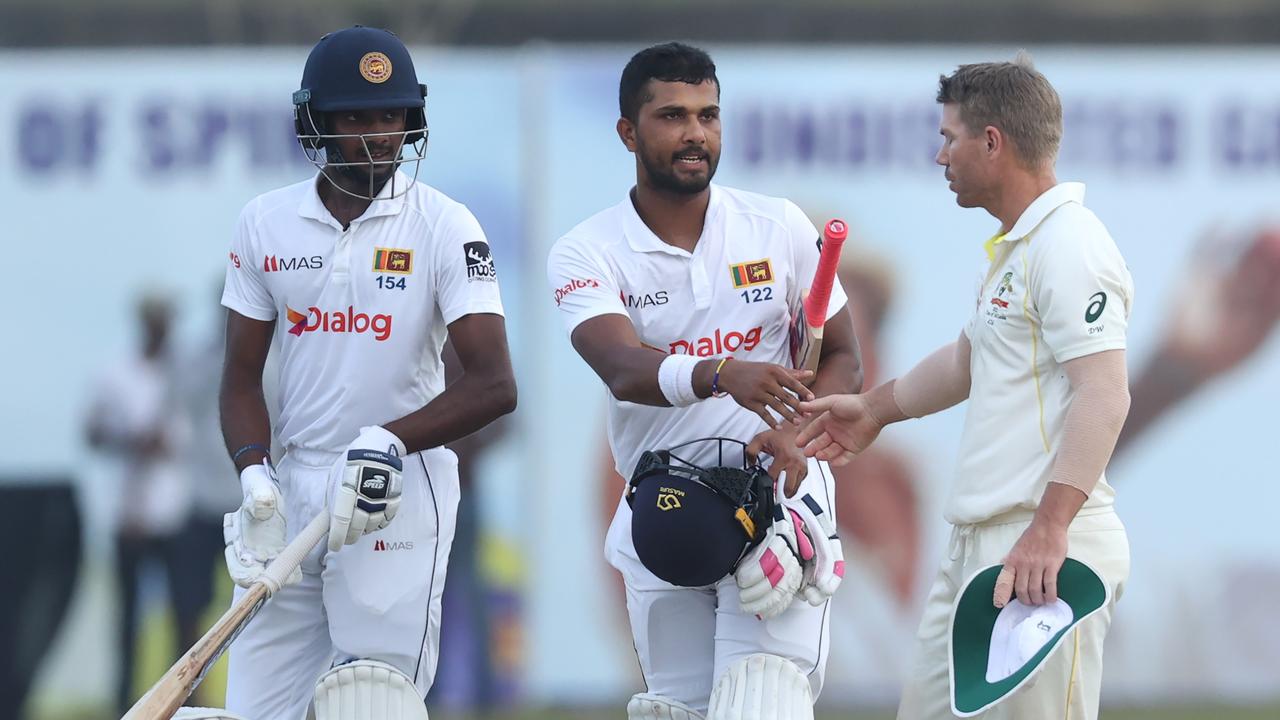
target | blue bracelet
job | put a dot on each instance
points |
(715, 379)
(235, 457)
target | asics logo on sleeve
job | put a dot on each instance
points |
(338, 321)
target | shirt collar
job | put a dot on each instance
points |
(1039, 209)
(312, 206)
(642, 239)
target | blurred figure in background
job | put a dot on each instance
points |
(135, 418)
(878, 508)
(1226, 308)
(214, 489)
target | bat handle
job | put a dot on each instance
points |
(291, 557)
(834, 234)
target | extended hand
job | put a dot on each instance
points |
(780, 443)
(365, 484)
(842, 426)
(1031, 568)
(761, 387)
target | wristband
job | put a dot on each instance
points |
(715, 379)
(675, 379)
(235, 456)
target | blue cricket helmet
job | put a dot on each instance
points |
(358, 68)
(690, 524)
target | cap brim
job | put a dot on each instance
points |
(973, 617)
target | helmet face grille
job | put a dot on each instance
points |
(360, 68)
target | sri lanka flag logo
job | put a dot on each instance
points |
(297, 319)
(393, 260)
(751, 273)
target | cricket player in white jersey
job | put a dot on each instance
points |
(1042, 363)
(356, 274)
(679, 298)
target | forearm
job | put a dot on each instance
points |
(938, 382)
(465, 406)
(839, 373)
(245, 421)
(1089, 433)
(632, 376)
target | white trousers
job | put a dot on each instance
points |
(377, 599)
(1069, 684)
(685, 638)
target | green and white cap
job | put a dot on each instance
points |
(995, 651)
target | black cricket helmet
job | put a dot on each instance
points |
(692, 523)
(359, 68)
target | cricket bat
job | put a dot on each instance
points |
(809, 319)
(167, 695)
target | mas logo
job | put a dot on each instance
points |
(273, 263)
(479, 262)
(392, 545)
(751, 273)
(393, 260)
(338, 321)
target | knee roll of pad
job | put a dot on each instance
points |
(647, 706)
(203, 713)
(762, 687)
(367, 690)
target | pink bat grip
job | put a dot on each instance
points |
(815, 304)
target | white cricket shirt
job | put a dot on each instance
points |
(363, 313)
(733, 295)
(1056, 289)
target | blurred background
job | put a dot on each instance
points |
(133, 131)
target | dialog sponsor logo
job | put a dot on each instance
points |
(575, 284)
(719, 342)
(338, 321)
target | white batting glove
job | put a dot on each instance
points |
(255, 532)
(365, 486)
(825, 571)
(771, 574)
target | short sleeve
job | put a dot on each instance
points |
(581, 284)
(805, 241)
(244, 290)
(466, 275)
(1082, 291)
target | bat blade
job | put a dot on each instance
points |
(176, 685)
(811, 317)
